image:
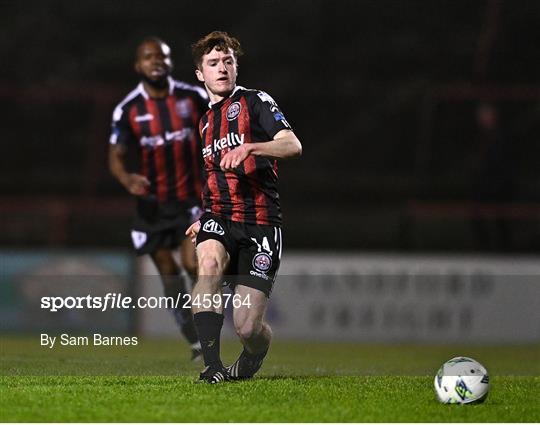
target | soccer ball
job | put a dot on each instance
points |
(462, 380)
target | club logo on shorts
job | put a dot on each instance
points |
(262, 262)
(138, 238)
(211, 226)
(233, 111)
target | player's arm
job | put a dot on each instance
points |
(136, 184)
(284, 145)
(121, 136)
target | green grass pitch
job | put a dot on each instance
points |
(299, 382)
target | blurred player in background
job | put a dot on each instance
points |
(159, 118)
(239, 234)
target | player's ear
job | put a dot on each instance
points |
(199, 75)
(137, 67)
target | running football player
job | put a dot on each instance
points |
(239, 234)
(159, 119)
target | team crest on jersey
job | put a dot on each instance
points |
(262, 262)
(183, 108)
(233, 111)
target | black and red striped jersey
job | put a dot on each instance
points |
(165, 131)
(249, 193)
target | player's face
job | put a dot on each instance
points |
(154, 61)
(218, 71)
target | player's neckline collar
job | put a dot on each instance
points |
(235, 90)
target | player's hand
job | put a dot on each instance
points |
(235, 157)
(193, 230)
(136, 184)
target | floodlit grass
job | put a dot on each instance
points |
(300, 382)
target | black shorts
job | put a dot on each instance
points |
(255, 250)
(161, 224)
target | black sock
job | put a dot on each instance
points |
(208, 325)
(184, 320)
(248, 364)
(188, 330)
(254, 357)
(175, 287)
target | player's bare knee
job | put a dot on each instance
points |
(209, 266)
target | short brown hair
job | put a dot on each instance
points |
(218, 39)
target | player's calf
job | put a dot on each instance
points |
(254, 334)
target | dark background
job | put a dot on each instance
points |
(382, 95)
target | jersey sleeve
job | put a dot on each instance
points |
(270, 117)
(121, 132)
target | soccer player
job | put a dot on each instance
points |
(239, 234)
(159, 118)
